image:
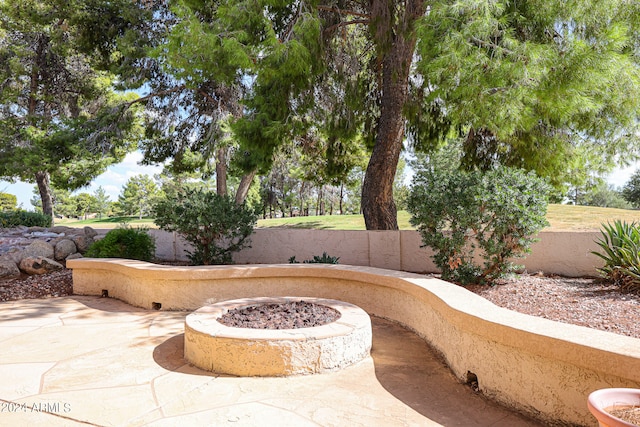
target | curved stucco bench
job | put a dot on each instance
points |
(541, 367)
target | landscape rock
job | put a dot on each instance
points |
(53, 244)
(14, 255)
(90, 232)
(39, 248)
(64, 248)
(8, 269)
(44, 235)
(39, 265)
(61, 229)
(82, 242)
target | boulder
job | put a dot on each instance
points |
(43, 235)
(14, 255)
(82, 242)
(75, 256)
(64, 248)
(61, 229)
(39, 265)
(39, 248)
(90, 232)
(8, 269)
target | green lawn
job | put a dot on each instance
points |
(561, 217)
(111, 222)
(568, 217)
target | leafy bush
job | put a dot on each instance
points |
(215, 225)
(620, 245)
(28, 219)
(497, 211)
(324, 259)
(124, 242)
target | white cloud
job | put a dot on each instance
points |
(620, 176)
(111, 181)
(116, 176)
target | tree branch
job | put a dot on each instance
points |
(344, 24)
(343, 12)
(484, 44)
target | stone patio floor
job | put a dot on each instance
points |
(77, 361)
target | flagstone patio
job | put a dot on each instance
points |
(86, 360)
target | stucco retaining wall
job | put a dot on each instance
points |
(539, 366)
(566, 253)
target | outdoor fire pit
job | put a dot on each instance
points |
(277, 336)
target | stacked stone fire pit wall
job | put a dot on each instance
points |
(37, 250)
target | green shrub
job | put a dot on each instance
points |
(620, 245)
(124, 242)
(497, 212)
(324, 259)
(215, 225)
(28, 219)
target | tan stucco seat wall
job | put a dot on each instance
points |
(543, 367)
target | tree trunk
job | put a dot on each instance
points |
(319, 203)
(42, 179)
(301, 195)
(221, 171)
(271, 200)
(396, 40)
(244, 186)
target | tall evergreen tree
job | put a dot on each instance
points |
(631, 190)
(524, 82)
(187, 111)
(60, 119)
(84, 204)
(102, 202)
(8, 202)
(138, 195)
(550, 86)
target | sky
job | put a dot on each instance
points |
(117, 175)
(111, 181)
(620, 176)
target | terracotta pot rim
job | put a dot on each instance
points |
(607, 397)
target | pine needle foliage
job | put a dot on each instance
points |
(536, 84)
(62, 123)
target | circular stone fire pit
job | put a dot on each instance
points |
(213, 346)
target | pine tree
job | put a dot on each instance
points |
(59, 116)
(138, 196)
(524, 82)
(102, 201)
(84, 203)
(8, 202)
(547, 86)
(631, 190)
